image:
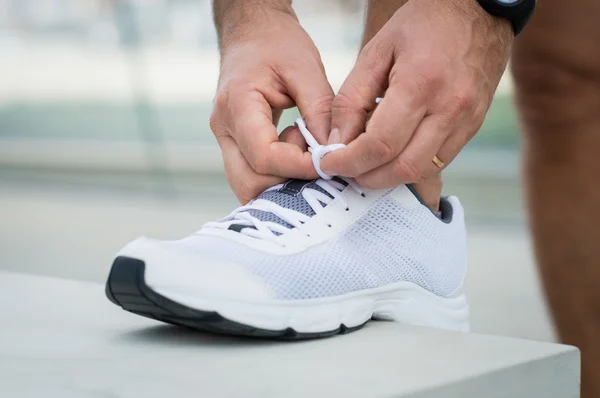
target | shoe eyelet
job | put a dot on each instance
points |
(363, 195)
(347, 209)
(329, 225)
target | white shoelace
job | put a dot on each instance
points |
(271, 230)
(318, 151)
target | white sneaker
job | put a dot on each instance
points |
(305, 259)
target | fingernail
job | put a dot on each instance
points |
(328, 171)
(325, 167)
(334, 137)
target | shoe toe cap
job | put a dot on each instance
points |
(175, 273)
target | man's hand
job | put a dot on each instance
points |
(437, 63)
(268, 63)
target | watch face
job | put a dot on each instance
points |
(507, 1)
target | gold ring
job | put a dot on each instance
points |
(438, 162)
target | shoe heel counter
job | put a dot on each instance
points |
(459, 232)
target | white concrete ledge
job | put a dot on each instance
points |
(63, 339)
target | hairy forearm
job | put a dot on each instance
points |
(235, 18)
(378, 13)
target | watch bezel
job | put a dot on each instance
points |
(518, 13)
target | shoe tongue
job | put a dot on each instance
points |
(290, 197)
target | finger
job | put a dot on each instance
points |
(245, 182)
(253, 130)
(313, 96)
(389, 130)
(292, 135)
(416, 161)
(356, 98)
(452, 147)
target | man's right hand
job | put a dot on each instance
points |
(268, 64)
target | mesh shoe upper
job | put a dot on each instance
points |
(387, 244)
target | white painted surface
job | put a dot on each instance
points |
(65, 339)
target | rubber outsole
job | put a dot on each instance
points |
(126, 288)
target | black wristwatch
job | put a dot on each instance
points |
(517, 12)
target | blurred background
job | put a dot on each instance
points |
(104, 136)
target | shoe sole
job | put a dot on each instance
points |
(126, 288)
(404, 303)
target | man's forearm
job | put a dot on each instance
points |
(235, 17)
(378, 13)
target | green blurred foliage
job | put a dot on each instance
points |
(182, 123)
